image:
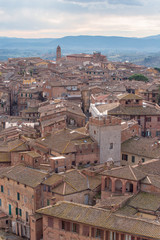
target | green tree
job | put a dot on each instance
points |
(157, 69)
(138, 77)
(31, 72)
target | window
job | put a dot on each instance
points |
(16, 211)
(27, 218)
(25, 199)
(158, 119)
(111, 146)
(133, 159)
(157, 133)
(49, 189)
(0, 203)
(44, 188)
(35, 160)
(143, 160)
(50, 222)
(22, 158)
(86, 231)
(125, 157)
(148, 133)
(98, 233)
(48, 202)
(93, 232)
(18, 196)
(2, 189)
(148, 119)
(8, 192)
(20, 211)
(63, 225)
(75, 227)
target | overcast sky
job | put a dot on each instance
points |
(58, 18)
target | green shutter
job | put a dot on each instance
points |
(2, 190)
(16, 211)
(10, 211)
(18, 196)
(0, 203)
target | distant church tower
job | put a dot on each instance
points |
(58, 53)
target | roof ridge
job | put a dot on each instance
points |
(149, 179)
(132, 172)
(139, 219)
(64, 188)
(70, 185)
(81, 204)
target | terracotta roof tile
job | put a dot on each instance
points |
(138, 110)
(146, 147)
(64, 141)
(24, 175)
(147, 201)
(126, 172)
(71, 182)
(101, 218)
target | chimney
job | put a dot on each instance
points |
(140, 163)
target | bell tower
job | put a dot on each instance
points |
(58, 53)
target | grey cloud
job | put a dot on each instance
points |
(83, 16)
(126, 2)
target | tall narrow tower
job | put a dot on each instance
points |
(107, 132)
(58, 53)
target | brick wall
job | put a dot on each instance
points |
(35, 228)
(130, 131)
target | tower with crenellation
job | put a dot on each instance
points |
(107, 132)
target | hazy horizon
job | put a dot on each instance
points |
(79, 36)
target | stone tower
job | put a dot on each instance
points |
(58, 53)
(107, 132)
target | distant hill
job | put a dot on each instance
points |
(116, 48)
(84, 43)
